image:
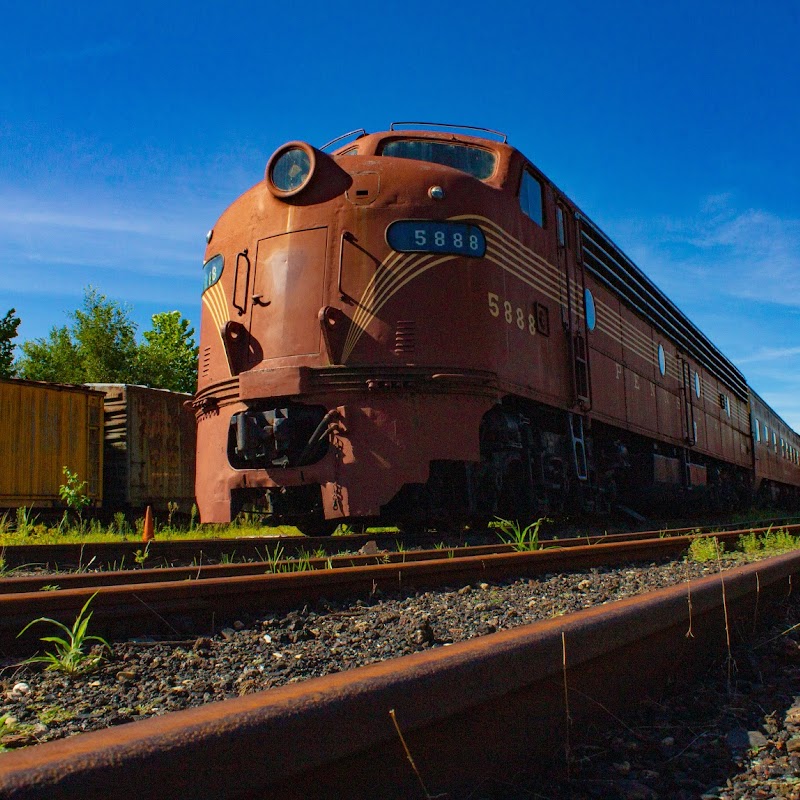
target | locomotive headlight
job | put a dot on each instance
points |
(290, 169)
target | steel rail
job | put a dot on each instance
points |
(186, 607)
(69, 580)
(493, 706)
(254, 548)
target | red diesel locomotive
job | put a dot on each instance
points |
(421, 328)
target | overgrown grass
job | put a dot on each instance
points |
(771, 542)
(28, 529)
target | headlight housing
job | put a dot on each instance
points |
(290, 169)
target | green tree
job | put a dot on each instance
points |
(8, 330)
(167, 358)
(99, 346)
(52, 359)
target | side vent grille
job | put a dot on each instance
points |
(205, 365)
(405, 340)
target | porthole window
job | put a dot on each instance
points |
(697, 383)
(591, 316)
(662, 360)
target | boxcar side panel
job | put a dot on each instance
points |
(44, 428)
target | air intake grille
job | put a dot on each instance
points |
(405, 341)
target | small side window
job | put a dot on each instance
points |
(530, 198)
(562, 236)
(697, 383)
(757, 428)
(662, 360)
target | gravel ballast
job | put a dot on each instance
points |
(688, 746)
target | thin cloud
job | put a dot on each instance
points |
(770, 354)
(751, 254)
(111, 47)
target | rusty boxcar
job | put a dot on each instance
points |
(150, 447)
(421, 327)
(45, 427)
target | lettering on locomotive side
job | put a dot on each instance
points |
(427, 236)
(535, 321)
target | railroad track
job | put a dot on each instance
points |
(182, 605)
(123, 554)
(88, 580)
(489, 706)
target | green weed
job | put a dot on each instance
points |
(141, 555)
(521, 539)
(705, 548)
(73, 493)
(70, 654)
(25, 521)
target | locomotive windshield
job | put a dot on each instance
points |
(472, 160)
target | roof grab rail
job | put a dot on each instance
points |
(360, 131)
(502, 136)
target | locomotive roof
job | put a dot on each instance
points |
(603, 259)
(615, 270)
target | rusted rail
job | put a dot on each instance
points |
(69, 580)
(105, 554)
(186, 607)
(493, 706)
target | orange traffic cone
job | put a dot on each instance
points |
(148, 534)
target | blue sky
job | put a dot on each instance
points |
(125, 130)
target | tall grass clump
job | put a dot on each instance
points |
(70, 654)
(521, 539)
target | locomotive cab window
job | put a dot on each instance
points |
(530, 198)
(472, 160)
